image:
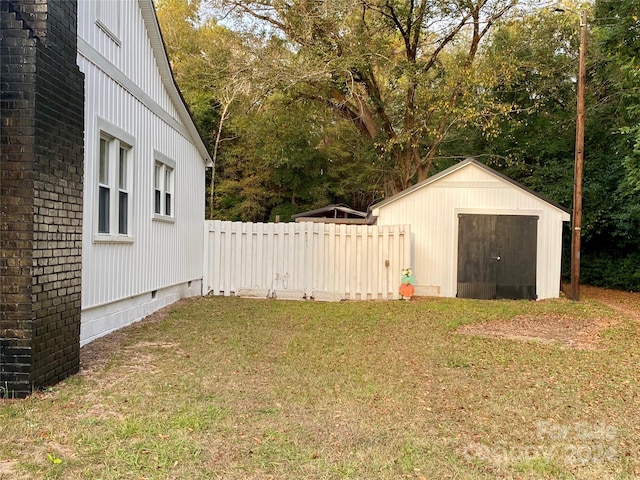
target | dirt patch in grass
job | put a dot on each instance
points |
(8, 469)
(565, 330)
(551, 328)
(626, 303)
(96, 355)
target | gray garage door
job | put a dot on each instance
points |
(497, 256)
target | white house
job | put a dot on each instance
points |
(144, 184)
(478, 234)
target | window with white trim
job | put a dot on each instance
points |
(163, 187)
(115, 172)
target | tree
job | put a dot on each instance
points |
(274, 152)
(227, 95)
(617, 26)
(534, 141)
(289, 157)
(180, 20)
(211, 65)
(612, 253)
(403, 72)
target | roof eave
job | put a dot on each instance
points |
(342, 221)
(166, 74)
(330, 208)
(375, 208)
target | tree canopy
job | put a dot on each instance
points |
(403, 73)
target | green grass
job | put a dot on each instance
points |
(232, 388)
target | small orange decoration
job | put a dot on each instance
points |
(407, 290)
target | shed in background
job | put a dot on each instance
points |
(332, 214)
(479, 234)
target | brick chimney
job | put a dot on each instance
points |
(41, 183)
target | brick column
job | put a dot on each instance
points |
(41, 182)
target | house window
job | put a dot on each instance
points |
(163, 187)
(123, 193)
(104, 191)
(108, 18)
(115, 172)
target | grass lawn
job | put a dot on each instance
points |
(234, 388)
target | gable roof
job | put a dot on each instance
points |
(455, 168)
(162, 61)
(332, 214)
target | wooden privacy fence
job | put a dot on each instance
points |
(305, 260)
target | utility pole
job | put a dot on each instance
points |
(576, 223)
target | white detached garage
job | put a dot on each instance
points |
(478, 234)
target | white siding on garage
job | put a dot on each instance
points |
(432, 211)
(125, 278)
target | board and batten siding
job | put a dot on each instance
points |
(123, 281)
(432, 211)
(314, 260)
(130, 53)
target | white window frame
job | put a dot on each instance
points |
(108, 15)
(116, 182)
(164, 181)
